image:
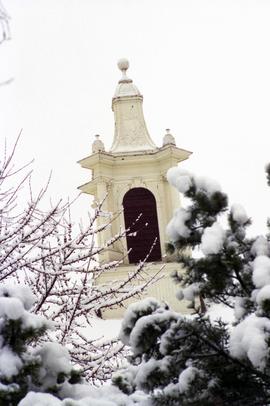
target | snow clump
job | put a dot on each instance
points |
(189, 293)
(40, 399)
(186, 377)
(21, 292)
(148, 367)
(133, 313)
(55, 359)
(207, 185)
(106, 395)
(212, 239)
(261, 275)
(180, 179)
(263, 294)
(249, 340)
(10, 363)
(15, 301)
(151, 322)
(177, 226)
(239, 308)
(11, 307)
(260, 246)
(91, 396)
(261, 271)
(239, 214)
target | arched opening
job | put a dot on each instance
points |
(141, 203)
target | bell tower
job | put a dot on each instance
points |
(132, 177)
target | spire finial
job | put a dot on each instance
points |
(168, 138)
(123, 65)
(97, 145)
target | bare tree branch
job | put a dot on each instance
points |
(43, 250)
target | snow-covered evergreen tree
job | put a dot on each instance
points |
(42, 375)
(191, 360)
(23, 368)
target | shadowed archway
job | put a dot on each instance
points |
(140, 202)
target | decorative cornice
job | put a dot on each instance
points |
(108, 158)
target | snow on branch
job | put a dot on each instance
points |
(43, 250)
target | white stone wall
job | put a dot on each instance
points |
(164, 289)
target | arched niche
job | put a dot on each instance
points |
(141, 203)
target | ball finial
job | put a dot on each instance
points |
(168, 138)
(123, 64)
(97, 145)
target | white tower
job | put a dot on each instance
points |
(133, 175)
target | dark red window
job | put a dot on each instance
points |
(141, 203)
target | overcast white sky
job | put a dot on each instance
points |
(202, 66)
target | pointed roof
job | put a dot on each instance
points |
(131, 133)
